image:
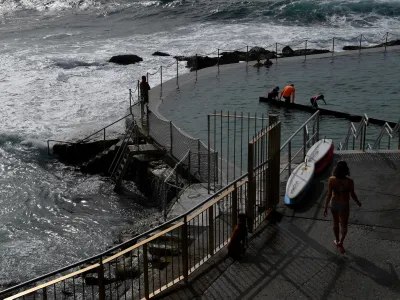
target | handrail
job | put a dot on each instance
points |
(306, 140)
(391, 133)
(355, 132)
(122, 148)
(84, 139)
(124, 244)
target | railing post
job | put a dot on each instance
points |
(304, 142)
(364, 135)
(138, 90)
(234, 206)
(333, 46)
(250, 189)
(209, 155)
(145, 272)
(290, 157)
(218, 58)
(44, 293)
(211, 239)
(196, 64)
(100, 275)
(170, 136)
(189, 165)
(276, 52)
(147, 76)
(185, 252)
(360, 43)
(198, 158)
(247, 54)
(387, 33)
(147, 120)
(177, 74)
(305, 51)
(130, 101)
(161, 76)
(318, 126)
(104, 138)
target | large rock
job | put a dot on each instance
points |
(126, 59)
(158, 53)
(287, 51)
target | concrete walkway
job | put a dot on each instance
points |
(296, 258)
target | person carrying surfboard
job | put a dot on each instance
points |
(288, 91)
(340, 188)
(314, 100)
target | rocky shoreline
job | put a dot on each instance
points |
(197, 62)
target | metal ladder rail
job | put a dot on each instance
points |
(118, 156)
(391, 133)
(356, 132)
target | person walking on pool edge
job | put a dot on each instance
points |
(288, 91)
(340, 188)
(144, 90)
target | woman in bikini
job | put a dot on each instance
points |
(340, 188)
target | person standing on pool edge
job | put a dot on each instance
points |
(288, 91)
(340, 188)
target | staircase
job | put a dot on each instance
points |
(127, 151)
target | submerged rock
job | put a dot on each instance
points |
(126, 59)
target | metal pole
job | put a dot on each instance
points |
(360, 43)
(196, 64)
(276, 52)
(147, 76)
(247, 54)
(290, 158)
(305, 51)
(189, 165)
(161, 76)
(130, 101)
(170, 137)
(185, 254)
(387, 33)
(198, 156)
(333, 46)
(177, 74)
(218, 58)
(100, 276)
(209, 155)
(304, 142)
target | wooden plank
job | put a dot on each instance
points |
(39, 287)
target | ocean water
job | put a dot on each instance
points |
(56, 83)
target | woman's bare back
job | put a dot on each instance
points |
(341, 189)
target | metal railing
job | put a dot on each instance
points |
(391, 133)
(121, 150)
(152, 261)
(159, 258)
(355, 133)
(306, 140)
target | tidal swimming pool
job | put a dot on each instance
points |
(357, 83)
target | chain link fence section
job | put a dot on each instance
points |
(193, 153)
(160, 130)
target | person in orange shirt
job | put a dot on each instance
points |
(288, 91)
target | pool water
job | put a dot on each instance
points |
(357, 83)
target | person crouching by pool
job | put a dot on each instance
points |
(273, 94)
(288, 91)
(314, 100)
(340, 188)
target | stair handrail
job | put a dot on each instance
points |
(121, 150)
(355, 132)
(391, 132)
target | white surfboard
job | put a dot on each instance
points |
(299, 179)
(319, 150)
